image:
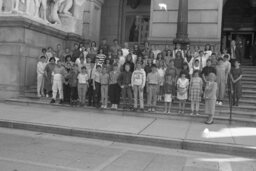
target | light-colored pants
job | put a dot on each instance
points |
(82, 90)
(152, 95)
(57, 86)
(136, 91)
(221, 90)
(104, 94)
(40, 84)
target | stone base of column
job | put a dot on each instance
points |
(21, 41)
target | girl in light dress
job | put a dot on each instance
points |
(182, 92)
(195, 90)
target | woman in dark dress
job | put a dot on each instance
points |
(48, 76)
(236, 76)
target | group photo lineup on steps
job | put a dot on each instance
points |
(92, 75)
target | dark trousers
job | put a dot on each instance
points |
(127, 91)
(97, 94)
(90, 94)
(114, 93)
(66, 93)
(73, 94)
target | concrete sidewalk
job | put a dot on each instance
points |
(100, 124)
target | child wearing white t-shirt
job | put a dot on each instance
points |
(82, 85)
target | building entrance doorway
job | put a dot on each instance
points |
(135, 21)
(239, 24)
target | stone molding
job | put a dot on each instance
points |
(23, 22)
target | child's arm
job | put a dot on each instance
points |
(239, 78)
(232, 78)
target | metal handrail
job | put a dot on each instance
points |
(230, 97)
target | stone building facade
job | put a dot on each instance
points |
(161, 22)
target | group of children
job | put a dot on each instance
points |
(108, 73)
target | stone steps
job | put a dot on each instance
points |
(243, 111)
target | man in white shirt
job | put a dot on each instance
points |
(40, 76)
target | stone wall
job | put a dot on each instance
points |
(21, 41)
(110, 20)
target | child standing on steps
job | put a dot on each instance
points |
(114, 88)
(196, 87)
(138, 83)
(97, 85)
(169, 86)
(104, 81)
(124, 81)
(182, 92)
(82, 85)
(236, 76)
(153, 81)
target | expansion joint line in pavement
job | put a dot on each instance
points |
(147, 126)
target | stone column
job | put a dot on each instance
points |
(182, 23)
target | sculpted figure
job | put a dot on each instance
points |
(65, 6)
(54, 11)
(38, 3)
(78, 8)
(16, 4)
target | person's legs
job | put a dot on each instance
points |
(154, 96)
(197, 107)
(54, 89)
(124, 92)
(170, 107)
(102, 95)
(183, 106)
(222, 90)
(112, 94)
(79, 88)
(192, 107)
(117, 95)
(106, 96)
(149, 96)
(129, 91)
(90, 95)
(141, 98)
(39, 84)
(135, 93)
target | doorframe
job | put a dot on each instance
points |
(238, 32)
(122, 20)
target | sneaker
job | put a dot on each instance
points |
(197, 114)
(61, 101)
(112, 106)
(153, 109)
(217, 102)
(220, 103)
(102, 106)
(191, 114)
(149, 110)
(52, 101)
(169, 112)
(47, 96)
(165, 111)
(116, 106)
(39, 95)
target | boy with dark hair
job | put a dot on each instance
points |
(124, 81)
(97, 85)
